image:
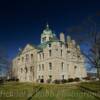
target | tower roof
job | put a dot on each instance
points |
(47, 30)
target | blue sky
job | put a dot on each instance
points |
(22, 21)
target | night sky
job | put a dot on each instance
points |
(22, 21)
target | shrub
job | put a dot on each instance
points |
(49, 81)
(1, 81)
(64, 81)
(13, 79)
(57, 81)
(87, 78)
(70, 80)
(77, 79)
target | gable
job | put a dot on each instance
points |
(28, 47)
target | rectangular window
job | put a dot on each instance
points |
(50, 76)
(43, 55)
(50, 66)
(49, 53)
(62, 66)
(40, 56)
(44, 39)
(31, 56)
(27, 57)
(39, 67)
(61, 45)
(42, 66)
(18, 60)
(63, 76)
(22, 59)
(31, 69)
(61, 52)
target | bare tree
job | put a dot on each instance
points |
(92, 39)
(4, 62)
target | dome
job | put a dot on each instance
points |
(47, 30)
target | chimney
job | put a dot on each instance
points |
(73, 42)
(62, 37)
(68, 39)
(78, 47)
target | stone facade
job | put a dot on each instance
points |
(53, 59)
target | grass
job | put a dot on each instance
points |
(24, 91)
(95, 86)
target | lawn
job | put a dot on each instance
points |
(29, 91)
(94, 86)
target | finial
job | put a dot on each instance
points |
(47, 26)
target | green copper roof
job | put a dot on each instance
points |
(47, 30)
(43, 45)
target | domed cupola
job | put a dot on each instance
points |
(47, 34)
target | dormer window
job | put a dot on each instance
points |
(44, 39)
(50, 38)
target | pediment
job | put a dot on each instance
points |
(28, 47)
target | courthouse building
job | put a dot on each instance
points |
(53, 59)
